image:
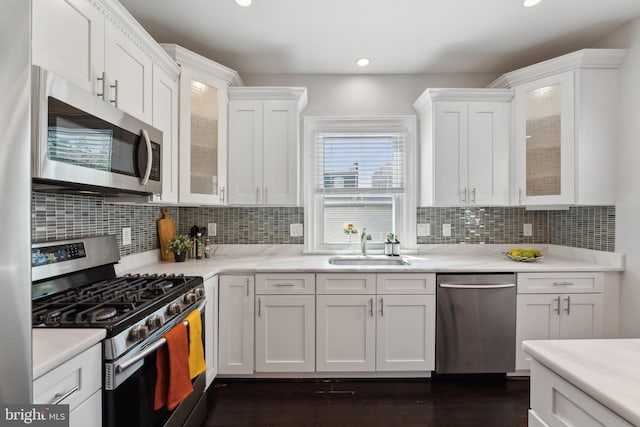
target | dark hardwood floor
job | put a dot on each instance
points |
(440, 402)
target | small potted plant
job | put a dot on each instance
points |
(180, 245)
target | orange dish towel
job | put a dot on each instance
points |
(173, 383)
(197, 364)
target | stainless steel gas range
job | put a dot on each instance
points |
(75, 286)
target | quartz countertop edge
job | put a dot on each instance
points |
(54, 346)
(605, 369)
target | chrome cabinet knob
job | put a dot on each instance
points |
(154, 322)
(139, 332)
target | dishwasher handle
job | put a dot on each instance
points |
(471, 286)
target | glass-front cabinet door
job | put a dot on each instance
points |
(544, 138)
(203, 136)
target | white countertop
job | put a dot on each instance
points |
(439, 258)
(54, 346)
(606, 370)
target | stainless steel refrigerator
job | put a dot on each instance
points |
(15, 202)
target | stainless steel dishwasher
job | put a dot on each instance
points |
(475, 323)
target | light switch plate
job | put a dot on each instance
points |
(296, 230)
(446, 230)
(424, 230)
(212, 229)
(527, 229)
(126, 236)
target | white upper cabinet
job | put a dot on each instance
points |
(204, 86)
(464, 146)
(264, 148)
(68, 39)
(564, 129)
(98, 46)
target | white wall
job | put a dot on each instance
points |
(366, 95)
(628, 179)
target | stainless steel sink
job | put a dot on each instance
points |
(368, 260)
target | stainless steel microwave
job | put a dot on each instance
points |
(82, 144)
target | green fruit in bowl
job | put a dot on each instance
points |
(528, 254)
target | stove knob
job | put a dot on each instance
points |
(174, 309)
(199, 292)
(154, 322)
(190, 298)
(139, 332)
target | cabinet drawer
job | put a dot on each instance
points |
(346, 283)
(406, 283)
(286, 283)
(545, 283)
(78, 377)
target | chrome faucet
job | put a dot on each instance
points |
(363, 241)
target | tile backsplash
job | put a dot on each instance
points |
(57, 217)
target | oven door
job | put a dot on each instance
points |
(81, 140)
(130, 401)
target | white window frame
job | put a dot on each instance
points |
(405, 214)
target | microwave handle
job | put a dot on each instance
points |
(147, 172)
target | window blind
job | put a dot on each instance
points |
(359, 163)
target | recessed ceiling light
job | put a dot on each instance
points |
(362, 62)
(244, 3)
(529, 3)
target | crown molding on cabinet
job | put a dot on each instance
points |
(125, 22)
(191, 59)
(267, 93)
(582, 59)
(468, 95)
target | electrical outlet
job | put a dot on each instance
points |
(424, 230)
(527, 229)
(126, 236)
(212, 229)
(296, 230)
(446, 230)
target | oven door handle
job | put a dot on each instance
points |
(121, 367)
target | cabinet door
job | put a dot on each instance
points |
(87, 414)
(280, 153)
(245, 152)
(211, 328)
(536, 319)
(488, 153)
(581, 316)
(285, 333)
(129, 73)
(450, 148)
(203, 138)
(68, 39)
(345, 333)
(235, 349)
(544, 141)
(406, 328)
(165, 118)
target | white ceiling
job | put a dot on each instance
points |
(399, 36)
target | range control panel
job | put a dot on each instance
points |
(57, 253)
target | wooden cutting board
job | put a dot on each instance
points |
(166, 232)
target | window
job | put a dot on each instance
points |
(359, 171)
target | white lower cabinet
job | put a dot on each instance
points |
(285, 333)
(405, 333)
(346, 333)
(77, 383)
(556, 402)
(211, 328)
(235, 351)
(566, 315)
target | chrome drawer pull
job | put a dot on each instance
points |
(59, 397)
(557, 309)
(562, 283)
(284, 284)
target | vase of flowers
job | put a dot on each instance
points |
(349, 230)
